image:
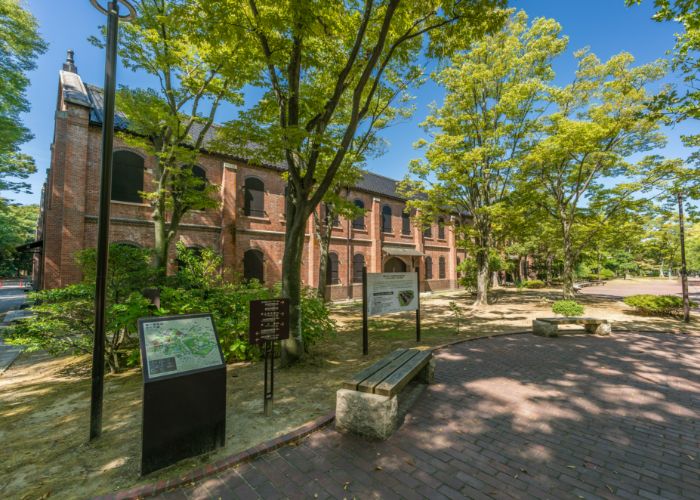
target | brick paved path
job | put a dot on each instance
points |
(517, 416)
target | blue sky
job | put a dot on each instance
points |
(606, 26)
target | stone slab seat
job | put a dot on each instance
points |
(368, 405)
(549, 327)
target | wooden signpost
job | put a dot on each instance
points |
(384, 293)
(269, 322)
(184, 389)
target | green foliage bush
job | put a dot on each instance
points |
(657, 305)
(607, 274)
(533, 284)
(567, 308)
(64, 317)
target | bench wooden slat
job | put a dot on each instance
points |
(402, 376)
(370, 382)
(353, 382)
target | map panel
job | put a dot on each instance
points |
(176, 345)
(391, 292)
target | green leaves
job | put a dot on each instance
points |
(20, 45)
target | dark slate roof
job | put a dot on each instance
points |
(370, 182)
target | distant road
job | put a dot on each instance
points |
(11, 295)
(623, 288)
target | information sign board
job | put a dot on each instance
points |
(184, 389)
(176, 345)
(391, 292)
(269, 320)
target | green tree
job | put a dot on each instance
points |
(17, 226)
(485, 128)
(600, 120)
(20, 45)
(64, 318)
(196, 74)
(331, 70)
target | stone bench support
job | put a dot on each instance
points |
(549, 327)
(368, 404)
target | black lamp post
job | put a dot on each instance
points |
(98, 352)
(684, 269)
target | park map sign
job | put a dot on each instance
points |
(177, 345)
(391, 292)
(184, 389)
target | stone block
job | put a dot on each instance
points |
(369, 415)
(544, 328)
(603, 329)
(427, 374)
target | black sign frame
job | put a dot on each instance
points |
(184, 414)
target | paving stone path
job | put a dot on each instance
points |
(513, 417)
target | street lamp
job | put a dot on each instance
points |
(98, 351)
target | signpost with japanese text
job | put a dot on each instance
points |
(184, 390)
(269, 322)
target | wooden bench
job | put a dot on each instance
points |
(368, 405)
(549, 327)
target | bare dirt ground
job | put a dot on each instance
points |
(44, 401)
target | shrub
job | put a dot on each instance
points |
(64, 318)
(567, 308)
(657, 305)
(533, 284)
(316, 319)
(607, 274)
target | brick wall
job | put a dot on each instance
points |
(69, 218)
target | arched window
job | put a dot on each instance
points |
(386, 219)
(441, 268)
(127, 176)
(254, 197)
(428, 268)
(332, 277)
(359, 223)
(201, 175)
(428, 232)
(358, 263)
(441, 228)
(253, 267)
(405, 223)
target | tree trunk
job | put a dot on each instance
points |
(323, 233)
(482, 266)
(494, 280)
(292, 349)
(568, 288)
(161, 247)
(548, 275)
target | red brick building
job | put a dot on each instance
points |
(247, 229)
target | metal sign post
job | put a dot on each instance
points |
(365, 336)
(418, 306)
(269, 322)
(269, 353)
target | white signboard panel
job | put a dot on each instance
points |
(391, 292)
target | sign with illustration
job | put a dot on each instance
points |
(176, 345)
(391, 292)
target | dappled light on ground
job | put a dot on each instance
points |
(44, 401)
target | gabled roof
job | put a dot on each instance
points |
(91, 96)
